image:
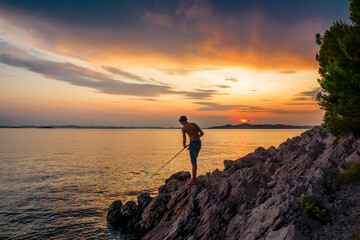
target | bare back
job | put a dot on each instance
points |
(193, 131)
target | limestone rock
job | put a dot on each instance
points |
(254, 197)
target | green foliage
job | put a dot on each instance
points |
(355, 11)
(349, 175)
(328, 188)
(313, 208)
(357, 234)
(339, 68)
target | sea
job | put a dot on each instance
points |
(59, 183)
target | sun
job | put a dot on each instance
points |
(243, 120)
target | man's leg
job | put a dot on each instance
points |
(194, 168)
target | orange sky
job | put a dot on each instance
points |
(191, 59)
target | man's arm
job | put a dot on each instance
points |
(184, 137)
(201, 133)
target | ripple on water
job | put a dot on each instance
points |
(60, 185)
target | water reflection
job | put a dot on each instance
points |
(58, 183)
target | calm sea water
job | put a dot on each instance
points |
(58, 183)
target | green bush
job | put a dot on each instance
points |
(349, 175)
(328, 188)
(313, 208)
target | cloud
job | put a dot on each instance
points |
(160, 19)
(310, 93)
(302, 103)
(200, 93)
(285, 112)
(184, 33)
(300, 98)
(287, 72)
(131, 76)
(307, 95)
(85, 77)
(231, 80)
(144, 99)
(222, 86)
(119, 72)
(184, 71)
(211, 106)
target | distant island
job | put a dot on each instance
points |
(228, 126)
(260, 126)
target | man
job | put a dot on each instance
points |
(194, 133)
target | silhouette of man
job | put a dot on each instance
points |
(194, 132)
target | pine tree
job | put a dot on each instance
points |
(339, 69)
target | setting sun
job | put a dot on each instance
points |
(243, 120)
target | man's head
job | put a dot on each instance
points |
(183, 120)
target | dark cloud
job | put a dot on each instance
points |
(284, 112)
(119, 72)
(307, 95)
(231, 80)
(85, 77)
(300, 98)
(123, 13)
(200, 93)
(287, 72)
(302, 103)
(187, 33)
(310, 93)
(131, 76)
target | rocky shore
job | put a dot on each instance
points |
(255, 197)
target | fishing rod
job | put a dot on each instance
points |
(170, 160)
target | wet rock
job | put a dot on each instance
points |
(120, 215)
(114, 213)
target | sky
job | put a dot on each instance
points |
(145, 63)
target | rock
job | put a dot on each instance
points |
(228, 164)
(181, 176)
(143, 200)
(113, 213)
(354, 157)
(171, 186)
(174, 182)
(254, 197)
(271, 184)
(152, 214)
(119, 214)
(286, 233)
